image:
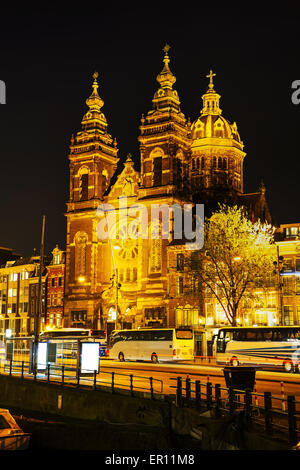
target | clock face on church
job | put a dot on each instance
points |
(126, 244)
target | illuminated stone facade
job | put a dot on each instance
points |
(180, 163)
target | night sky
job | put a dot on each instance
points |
(47, 59)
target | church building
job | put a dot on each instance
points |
(121, 279)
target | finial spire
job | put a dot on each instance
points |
(165, 78)
(94, 102)
(210, 76)
(166, 57)
(95, 84)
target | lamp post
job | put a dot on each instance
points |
(39, 300)
(278, 269)
(116, 280)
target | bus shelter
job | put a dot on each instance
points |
(75, 355)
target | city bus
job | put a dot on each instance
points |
(265, 347)
(155, 344)
(68, 338)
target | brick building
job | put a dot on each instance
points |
(55, 289)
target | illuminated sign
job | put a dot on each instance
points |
(42, 356)
(89, 358)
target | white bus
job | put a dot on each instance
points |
(266, 347)
(155, 344)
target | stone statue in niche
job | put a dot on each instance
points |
(127, 189)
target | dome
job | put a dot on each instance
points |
(215, 126)
(211, 124)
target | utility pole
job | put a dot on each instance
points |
(39, 299)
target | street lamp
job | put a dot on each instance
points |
(278, 269)
(115, 276)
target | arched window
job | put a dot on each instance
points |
(80, 255)
(214, 163)
(202, 163)
(83, 183)
(220, 163)
(155, 248)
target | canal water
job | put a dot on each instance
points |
(55, 433)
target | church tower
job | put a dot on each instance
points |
(93, 160)
(164, 139)
(217, 153)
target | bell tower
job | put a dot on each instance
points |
(164, 139)
(93, 161)
(93, 156)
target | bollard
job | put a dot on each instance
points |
(231, 400)
(268, 412)
(188, 388)
(95, 380)
(131, 384)
(151, 387)
(218, 399)
(179, 392)
(198, 393)
(112, 382)
(292, 420)
(22, 370)
(48, 372)
(282, 396)
(10, 367)
(255, 395)
(62, 375)
(208, 395)
(248, 406)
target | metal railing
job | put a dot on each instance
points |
(70, 376)
(257, 409)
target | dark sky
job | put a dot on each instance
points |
(47, 59)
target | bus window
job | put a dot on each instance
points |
(280, 335)
(184, 334)
(238, 335)
(251, 335)
(145, 335)
(116, 338)
(259, 335)
(228, 335)
(267, 335)
(162, 335)
(295, 333)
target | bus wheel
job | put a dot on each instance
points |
(288, 366)
(154, 359)
(121, 357)
(234, 362)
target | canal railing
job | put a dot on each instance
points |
(66, 375)
(279, 417)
